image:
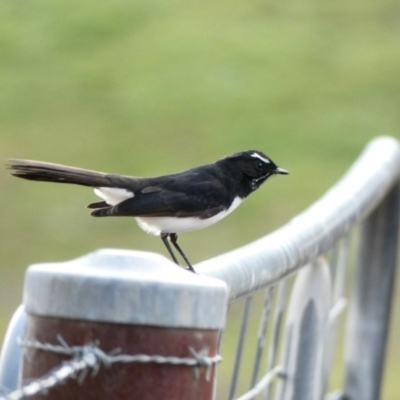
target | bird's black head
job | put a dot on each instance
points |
(252, 168)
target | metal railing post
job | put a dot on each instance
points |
(126, 304)
(369, 315)
(305, 334)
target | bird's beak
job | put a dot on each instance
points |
(281, 171)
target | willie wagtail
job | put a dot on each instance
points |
(169, 204)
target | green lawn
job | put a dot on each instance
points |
(151, 87)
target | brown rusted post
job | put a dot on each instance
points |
(136, 302)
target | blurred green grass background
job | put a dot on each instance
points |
(151, 87)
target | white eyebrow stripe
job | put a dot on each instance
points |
(255, 155)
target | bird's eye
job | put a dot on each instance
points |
(260, 166)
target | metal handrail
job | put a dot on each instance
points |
(313, 232)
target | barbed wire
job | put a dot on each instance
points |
(91, 358)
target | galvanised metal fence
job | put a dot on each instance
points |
(130, 325)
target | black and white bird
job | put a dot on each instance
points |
(169, 204)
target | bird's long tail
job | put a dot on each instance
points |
(49, 172)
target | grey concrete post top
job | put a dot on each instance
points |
(123, 286)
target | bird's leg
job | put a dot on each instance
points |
(164, 238)
(174, 241)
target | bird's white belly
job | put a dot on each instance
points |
(158, 225)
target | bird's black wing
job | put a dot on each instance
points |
(201, 201)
